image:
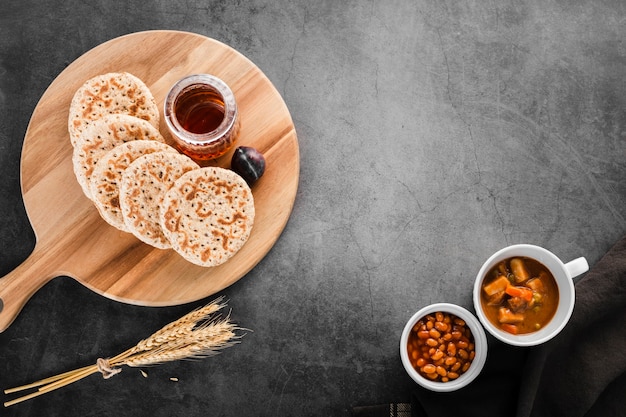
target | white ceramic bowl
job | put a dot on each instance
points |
(480, 343)
(563, 274)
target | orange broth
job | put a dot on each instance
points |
(506, 313)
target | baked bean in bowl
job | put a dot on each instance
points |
(443, 347)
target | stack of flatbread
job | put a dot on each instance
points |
(142, 185)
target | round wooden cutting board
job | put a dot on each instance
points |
(73, 240)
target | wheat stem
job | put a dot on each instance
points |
(24, 398)
(44, 381)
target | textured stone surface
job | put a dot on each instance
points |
(432, 133)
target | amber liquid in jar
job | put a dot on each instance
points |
(202, 115)
(199, 111)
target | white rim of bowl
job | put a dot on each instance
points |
(480, 343)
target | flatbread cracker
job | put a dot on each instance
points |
(101, 136)
(143, 185)
(208, 215)
(111, 93)
(107, 174)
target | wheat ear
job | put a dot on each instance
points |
(199, 334)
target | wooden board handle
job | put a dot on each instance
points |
(19, 285)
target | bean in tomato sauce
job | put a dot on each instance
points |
(441, 347)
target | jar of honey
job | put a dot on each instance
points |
(201, 113)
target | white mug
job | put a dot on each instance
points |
(563, 274)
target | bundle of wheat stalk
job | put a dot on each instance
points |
(199, 334)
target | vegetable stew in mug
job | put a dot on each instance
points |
(519, 295)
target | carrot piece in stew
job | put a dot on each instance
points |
(510, 328)
(522, 292)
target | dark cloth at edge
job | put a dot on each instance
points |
(582, 371)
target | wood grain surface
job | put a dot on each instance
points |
(72, 239)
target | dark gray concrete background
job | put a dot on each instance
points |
(432, 133)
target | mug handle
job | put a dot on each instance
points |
(576, 267)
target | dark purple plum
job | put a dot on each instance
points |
(249, 163)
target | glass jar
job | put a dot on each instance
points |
(201, 113)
